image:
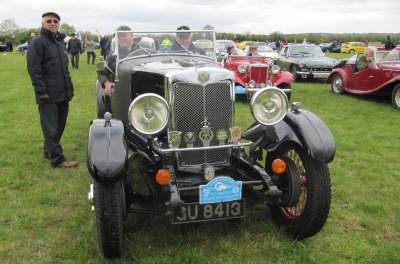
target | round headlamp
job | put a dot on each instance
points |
(149, 113)
(252, 84)
(269, 105)
(302, 64)
(242, 68)
(275, 69)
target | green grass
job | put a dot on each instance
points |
(45, 216)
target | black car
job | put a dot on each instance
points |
(166, 143)
(305, 61)
(3, 46)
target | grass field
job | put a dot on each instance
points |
(45, 216)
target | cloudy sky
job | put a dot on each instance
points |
(234, 16)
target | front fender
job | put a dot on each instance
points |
(302, 127)
(342, 73)
(107, 151)
(282, 77)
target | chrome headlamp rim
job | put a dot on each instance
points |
(162, 112)
(302, 64)
(269, 106)
(275, 69)
(242, 68)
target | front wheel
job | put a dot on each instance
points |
(396, 97)
(109, 202)
(308, 216)
(352, 52)
(337, 84)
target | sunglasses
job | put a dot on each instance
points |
(55, 21)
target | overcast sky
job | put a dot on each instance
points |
(234, 16)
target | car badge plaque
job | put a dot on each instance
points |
(209, 173)
(236, 134)
(174, 138)
(222, 135)
(206, 135)
(190, 138)
(203, 76)
(220, 189)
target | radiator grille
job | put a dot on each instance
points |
(193, 104)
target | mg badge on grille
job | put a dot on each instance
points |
(206, 135)
(222, 135)
(204, 76)
(236, 134)
(174, 138)
(209, 173)
(190, 138)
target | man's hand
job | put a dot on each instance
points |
(108, 87)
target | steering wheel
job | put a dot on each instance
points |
(144, 51)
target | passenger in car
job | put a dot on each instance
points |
(183, 41)
(363, 62)
(253, 51)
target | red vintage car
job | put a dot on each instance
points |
(382, 77)
(255, 72)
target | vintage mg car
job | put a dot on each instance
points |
(382, 77)
(166, 143)
(253, 73)
(305, 61)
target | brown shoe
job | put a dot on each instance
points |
(67, 164)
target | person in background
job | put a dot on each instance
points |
(47, 64)
(366, 59)
(9, 46)
(103, 43)
(75, 49)
(366, 42)
(389, 45)
(89, 43)
(109, 47)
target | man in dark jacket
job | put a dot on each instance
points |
(74, 48)
(48, 68)
(389, 45)
(183, 41)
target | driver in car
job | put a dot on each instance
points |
(366, 59)
(183, 41)
(126, 45)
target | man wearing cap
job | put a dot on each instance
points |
(253, 51)
(47, 64)
(125, 46)
(74, 48)
(183, 41)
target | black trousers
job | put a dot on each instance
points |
(53, 119)
(75, 59)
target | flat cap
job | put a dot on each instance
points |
(52, 14)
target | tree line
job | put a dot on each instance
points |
(9, 30)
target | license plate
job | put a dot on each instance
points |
(196, 212)
(321, 75)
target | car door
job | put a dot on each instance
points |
(367, 80)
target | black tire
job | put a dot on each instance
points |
(309, 215)
(293, 71)
(352, 52)
(337, 84)
(109, 202)
(396, 97)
